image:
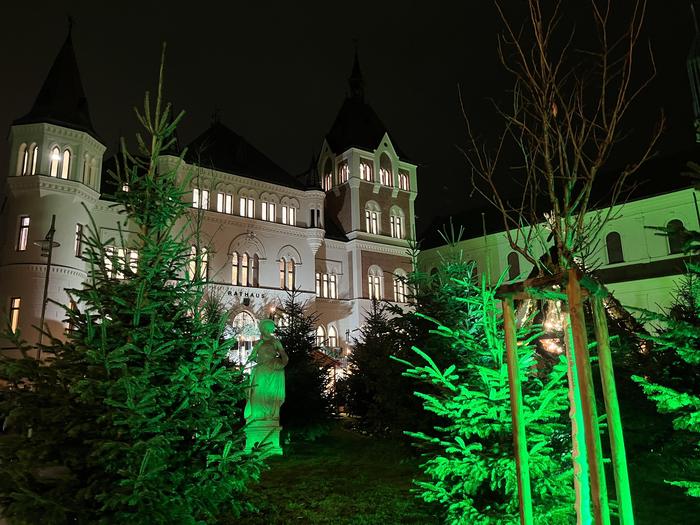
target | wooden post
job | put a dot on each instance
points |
(617, 443)
(599, 496)
(516, 411)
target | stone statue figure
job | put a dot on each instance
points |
(262, 411)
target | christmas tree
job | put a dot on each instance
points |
(470, 461)
(131, 419)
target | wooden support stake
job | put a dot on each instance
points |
(599, 496)
(516, 411)
(617, 442)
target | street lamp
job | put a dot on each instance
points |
(47, 244)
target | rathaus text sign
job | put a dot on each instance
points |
(247, 292)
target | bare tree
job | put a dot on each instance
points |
(567, 108)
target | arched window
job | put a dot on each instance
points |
(246, 332)
(399, 286)
(291, 275)
(254, 268)
(35, 158)
(343, 172)
(366, 170)
(327, 181)
(513, 265)
(613, 245)
(234, 268)
(403, 180)
(374, 282)
(22, 160)
(385, 172)
(283, 267)
(65, 165)
(397, 223)
(320, 336)
(676, 236)
(372, 217)
(55, 159)
(332, 337)
(244, 270)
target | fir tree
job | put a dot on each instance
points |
(470, 462)
(673, 379)
(132, 418)
(307, 407)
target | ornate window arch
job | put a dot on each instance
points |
(66, 158)
(372, 217)
(327, 180)
(332, 336)
(613, 247)
(397, 222)
(404, 180)
(366, 170)
(55, 161)
(375, 278)
(34, 149)
(320, 336)
(400, 285)
(22, 159)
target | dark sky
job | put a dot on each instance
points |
(277, 71)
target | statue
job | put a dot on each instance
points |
(262, 411)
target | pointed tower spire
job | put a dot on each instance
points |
(61, 99)
(356, 82)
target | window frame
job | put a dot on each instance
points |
(23, 233)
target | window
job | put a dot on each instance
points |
(333, 286)
(246, 207)
(315, 218)
(35, 157)
(287, 274)
(234, 268)
(283, 266)
(613, 245)
(396, 223)
(72, 308)
(372, 217)
(244, 269)
(326, 285)
(22, 160)
(224, 202)
(403, 180)
(320, 336)
(343, 172)
(327, 181)
(254, 265)
(318, 284)
(332, 337)
(78, 243)
(366, 170)
(385, 173)
(200, 198)
(55, 159)
(374, 280)
(289, 215)
(513, 262)
(399, 288)
(198, 258)
(65, 165)
(676, 236)
(23, 234)
(268, 211)
(14, 313)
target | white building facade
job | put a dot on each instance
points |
(338, 234)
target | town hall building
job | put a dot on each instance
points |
(338, 234)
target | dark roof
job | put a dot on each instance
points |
(357, 124)
(221, 148)
(310, 178)
(660, 175)
(333, 229)
(61, 99)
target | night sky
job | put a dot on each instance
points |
(277, 72)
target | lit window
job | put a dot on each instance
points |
(283, 266)
(320, 336)
(200, 259)
(205, 199)
(289, 215)
(200, 198)
(332, 337)
(14, 313)
(374, 282)
(244, 270)
(195, 198)
(385, 176)
(365, 171)
(72, 308)
(25, 160)
(399, 289)
(23, 234)
(109, 261)
(372, 221)
(224, 202)
(268, 211)
(35, 157)
(125, 187)
(396, 227)
(234, 268)
(21, 155)
(78, 243)
(65, 165)
(333, 286)
(318, 284)
(324, 290)
(403, 180)
(291, 275)
(327, 182)
(55, 159)
(246, 207)
(343, 172)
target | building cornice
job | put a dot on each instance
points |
(26, 183)
(376, 247)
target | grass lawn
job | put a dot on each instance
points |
(342, 478)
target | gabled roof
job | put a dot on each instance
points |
(357, 124)
(61, 99)
(221, 148)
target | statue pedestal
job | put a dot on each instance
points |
(264, 433)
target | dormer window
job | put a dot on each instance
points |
(385, 173)
(403, 180)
